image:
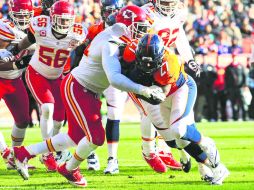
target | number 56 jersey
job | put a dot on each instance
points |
(51, 53)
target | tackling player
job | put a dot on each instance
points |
(80, 91)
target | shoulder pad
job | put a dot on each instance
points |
(120, 29)
(78, 32)
(39, 23)
(7, 30)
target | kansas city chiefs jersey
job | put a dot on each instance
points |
(90, 72)
(9, 32)
(51, 53)
(165, 26)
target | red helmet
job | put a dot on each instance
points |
(134, 18)
(62, 16)
(21, 12)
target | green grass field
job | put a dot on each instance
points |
(234, 140)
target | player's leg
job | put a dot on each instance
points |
(154, 114)
(18, 104)
(85, 107)
(58, 118)
(41, 89)
(148, 138)
(115, 103)
(183, 127)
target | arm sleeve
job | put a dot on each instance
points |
(112, 68)
(183, 46)
(31, 37)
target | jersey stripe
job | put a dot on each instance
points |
(6, 34)
(31, 29)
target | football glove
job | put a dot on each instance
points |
(22, 63)
(153, 92)
(195, 67)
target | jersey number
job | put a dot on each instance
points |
(78, 29)
(42, 22)
(164, 68)
(53, 58)
(167, 36)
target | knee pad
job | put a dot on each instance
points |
(47, 110)
(114, 113)
(182, 143)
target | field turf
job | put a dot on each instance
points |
(235, 141)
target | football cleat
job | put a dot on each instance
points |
(186, 166)
(205, 172)
(63, 156)
(219, 174)
(155, 162)
(74, 177)
(93, 162)
(50, 162)
(112, 167)
(209, 147)
(169, 161)
(21, 157)
(8, 159)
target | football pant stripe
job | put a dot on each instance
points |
(137, 102)
(76, 111)
(50, 145)
(76, 156)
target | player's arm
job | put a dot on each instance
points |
(15, 65)
(24, 43)
(112, 68)
(185, 51)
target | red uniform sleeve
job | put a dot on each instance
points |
(129, 52)
(37, 11)
(94, 30)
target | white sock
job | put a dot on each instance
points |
(162, 145)
(3, 145)
(59, 142)
(57, 127)
(148, 136)
(46, 123)
(17, 135)
(83, 150)
(112, 150)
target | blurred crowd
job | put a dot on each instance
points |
(212, 26)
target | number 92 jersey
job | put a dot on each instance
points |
(168, 28)
(51, 53)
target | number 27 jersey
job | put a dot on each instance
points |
(51, 53)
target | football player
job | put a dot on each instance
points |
(167, 18)
(12, 89)
(115, 98)
(162, 68)
(80, 92)
(55, 37)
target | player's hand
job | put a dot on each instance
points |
(195, 67)
(154, 92)
(22, 63)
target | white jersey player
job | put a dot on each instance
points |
(12, 89)
(55, 37)
(80, 90)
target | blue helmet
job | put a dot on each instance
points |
(109, 7)
(149, 53)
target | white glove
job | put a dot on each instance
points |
(194, 66)
(154, 92)
(9, 59)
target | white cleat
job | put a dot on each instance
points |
(205, 172)
(219, 173)
(22, 169)
(209, 147)
(112, 167)
(63, 156)
(93, 162)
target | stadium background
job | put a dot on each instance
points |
(220, 33)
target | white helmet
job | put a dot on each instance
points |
(166, 7)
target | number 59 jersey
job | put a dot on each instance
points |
(51, 53)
